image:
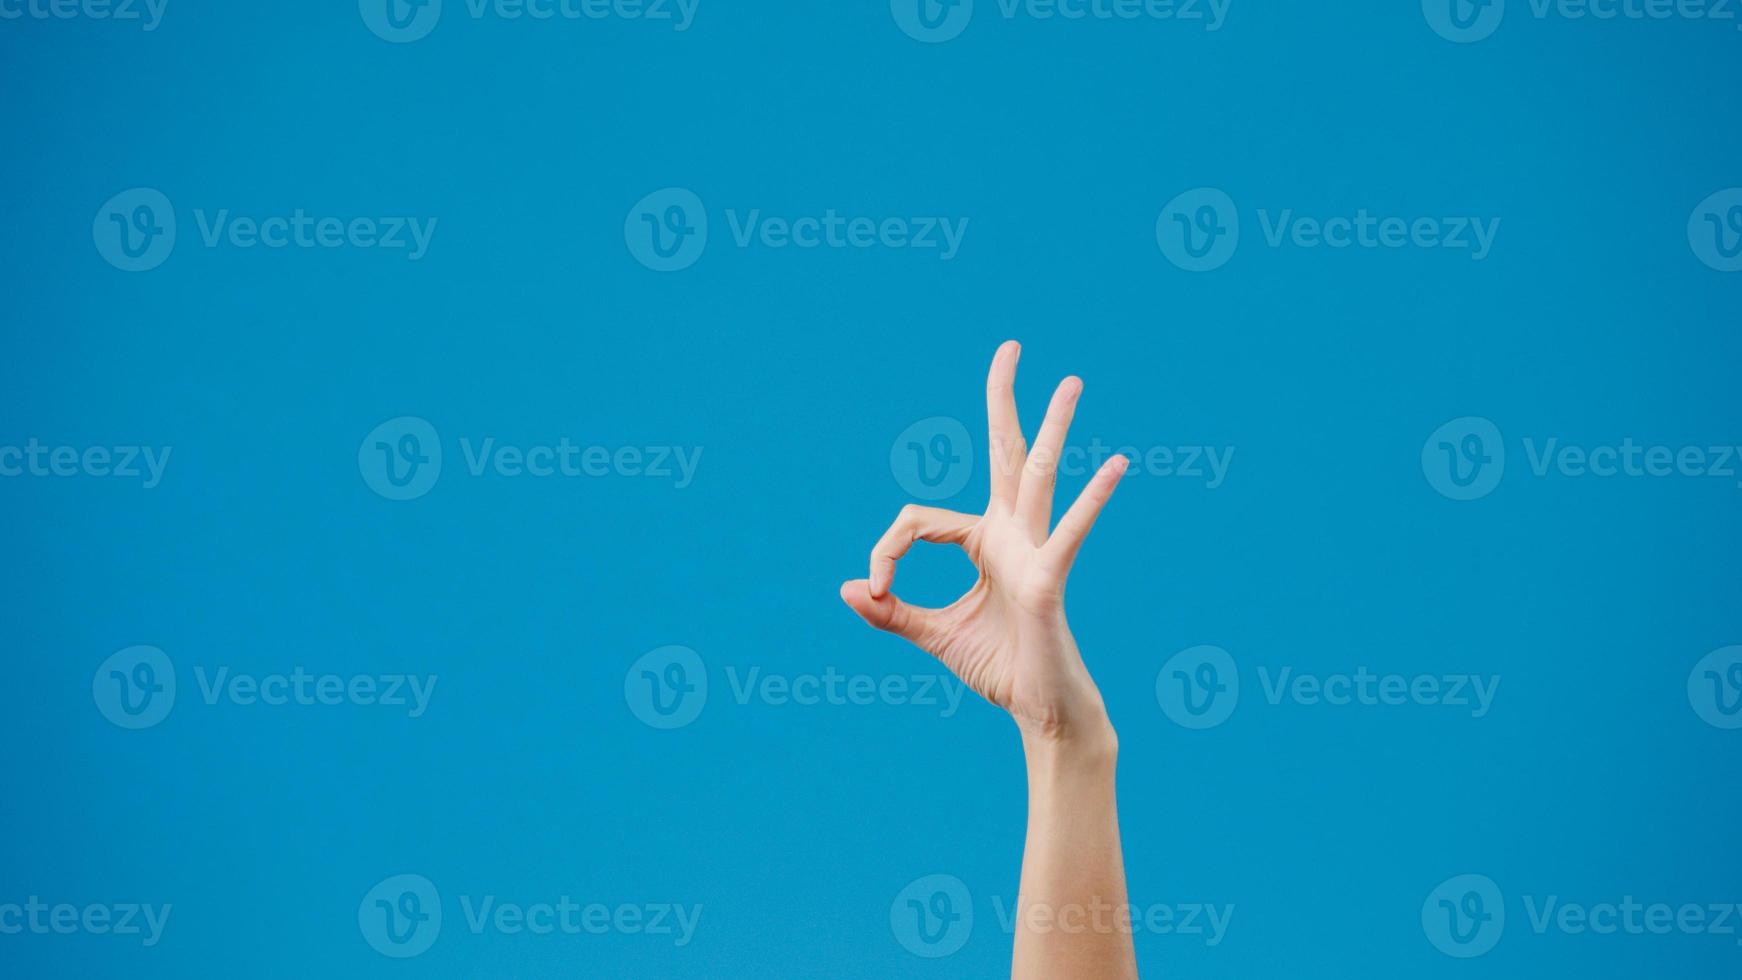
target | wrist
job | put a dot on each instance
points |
(1088, 744)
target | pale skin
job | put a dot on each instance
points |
(1007, 639)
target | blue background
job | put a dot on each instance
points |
(529, 320)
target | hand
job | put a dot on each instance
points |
(1006, 638)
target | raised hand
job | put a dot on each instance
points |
(1006, 637)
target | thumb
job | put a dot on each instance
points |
(886, 612)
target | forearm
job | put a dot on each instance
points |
(1072, 909)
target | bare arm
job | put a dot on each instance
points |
(1071, 911)
(1008, 640)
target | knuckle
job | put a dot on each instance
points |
(898, 620)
